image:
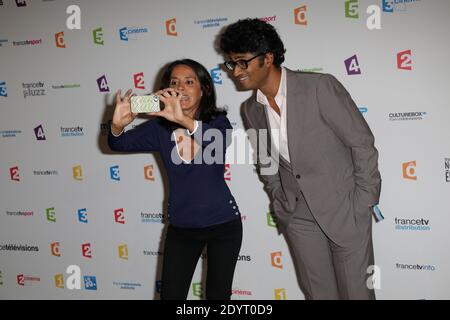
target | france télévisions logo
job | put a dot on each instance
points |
(102, 84)
(19, 247)
(131, 33)
(3, 91)
(33, 89)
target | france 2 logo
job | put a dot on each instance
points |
(404, 60)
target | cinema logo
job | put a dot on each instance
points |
(237, 293)
(131, 33)
(390, 6)
(447, 169)
(405, 116)
(26, 280)
(33, 89)
(420, 224)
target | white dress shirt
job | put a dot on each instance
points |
(277, 124)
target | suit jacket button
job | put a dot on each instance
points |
(297, 176)
(296, 198)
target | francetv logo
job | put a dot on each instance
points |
(409, 224)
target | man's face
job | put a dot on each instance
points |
(254, 76)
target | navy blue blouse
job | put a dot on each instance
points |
(199, 196)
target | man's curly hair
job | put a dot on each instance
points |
(253, 36)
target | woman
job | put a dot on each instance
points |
(201, 208)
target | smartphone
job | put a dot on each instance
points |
(144, 104)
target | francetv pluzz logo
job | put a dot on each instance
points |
(33, 89)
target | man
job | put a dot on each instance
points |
(327, 181)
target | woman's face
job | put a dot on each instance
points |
(184, 79)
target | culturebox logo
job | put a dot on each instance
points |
(407, 116)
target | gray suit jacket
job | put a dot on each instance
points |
(333, 160)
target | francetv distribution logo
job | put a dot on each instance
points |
(409, 224)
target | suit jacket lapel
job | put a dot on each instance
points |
(295, 111)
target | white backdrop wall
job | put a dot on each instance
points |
(66, 200)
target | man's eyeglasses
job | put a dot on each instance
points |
(241, 63)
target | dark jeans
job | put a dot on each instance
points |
(182, 250)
